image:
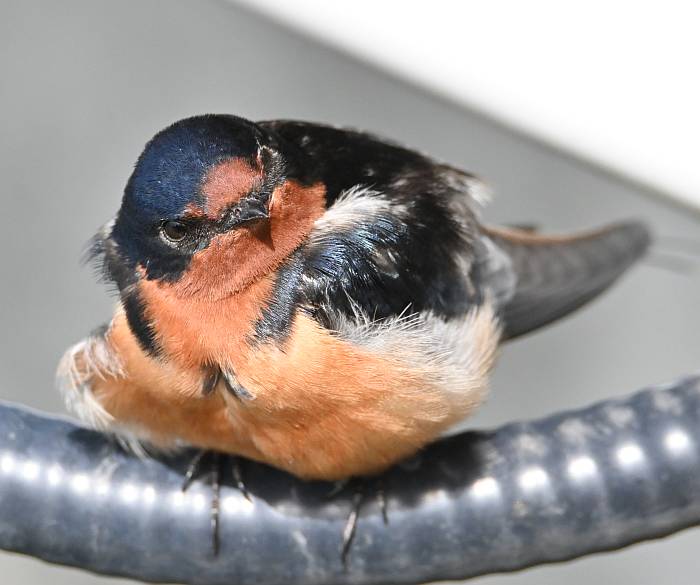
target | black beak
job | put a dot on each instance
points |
(247, 211)
(252, 210)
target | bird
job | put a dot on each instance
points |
(315, 298)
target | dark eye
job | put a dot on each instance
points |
(173, 230)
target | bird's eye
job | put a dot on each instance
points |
(173, 230)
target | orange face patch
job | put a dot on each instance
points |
(206, 315)
(236, 259)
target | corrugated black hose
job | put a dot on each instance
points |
(528, 493)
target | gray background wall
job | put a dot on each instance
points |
(83, 85)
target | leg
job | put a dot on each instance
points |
(361, 490)
(215, 504)
(338, 486)
(215, 481)
(237, 473)
(381, 498)
(192, 470)
(350, 529)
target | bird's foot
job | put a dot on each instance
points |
(192, 470)
(361, 489)
(214, 477)
(237, 472)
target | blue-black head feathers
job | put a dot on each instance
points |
(169, 172)
(168, 179)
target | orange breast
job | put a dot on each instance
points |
(195, 331)
(326, 409)
(322, 407)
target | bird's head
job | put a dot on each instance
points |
(214, 203)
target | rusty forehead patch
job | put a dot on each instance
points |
(227, 182)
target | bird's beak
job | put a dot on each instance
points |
(253, 214)
(247, 211)
(252, 210)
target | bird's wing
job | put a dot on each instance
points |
(397, 234)
(371, 256)
(401, 235)
(538, 279)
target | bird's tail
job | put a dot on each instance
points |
(553, 276)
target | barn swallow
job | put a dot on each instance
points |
(318, 299)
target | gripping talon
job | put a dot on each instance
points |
(215, 509)
(338, 486)
(351, 526)
(192, 469)
(237, 473)
(215, 482)
(362, 488)
(381, 498)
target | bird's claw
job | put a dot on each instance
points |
(215, 482)
(361, 488)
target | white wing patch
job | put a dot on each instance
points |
(357, 205)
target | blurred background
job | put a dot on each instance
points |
(568, 136)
